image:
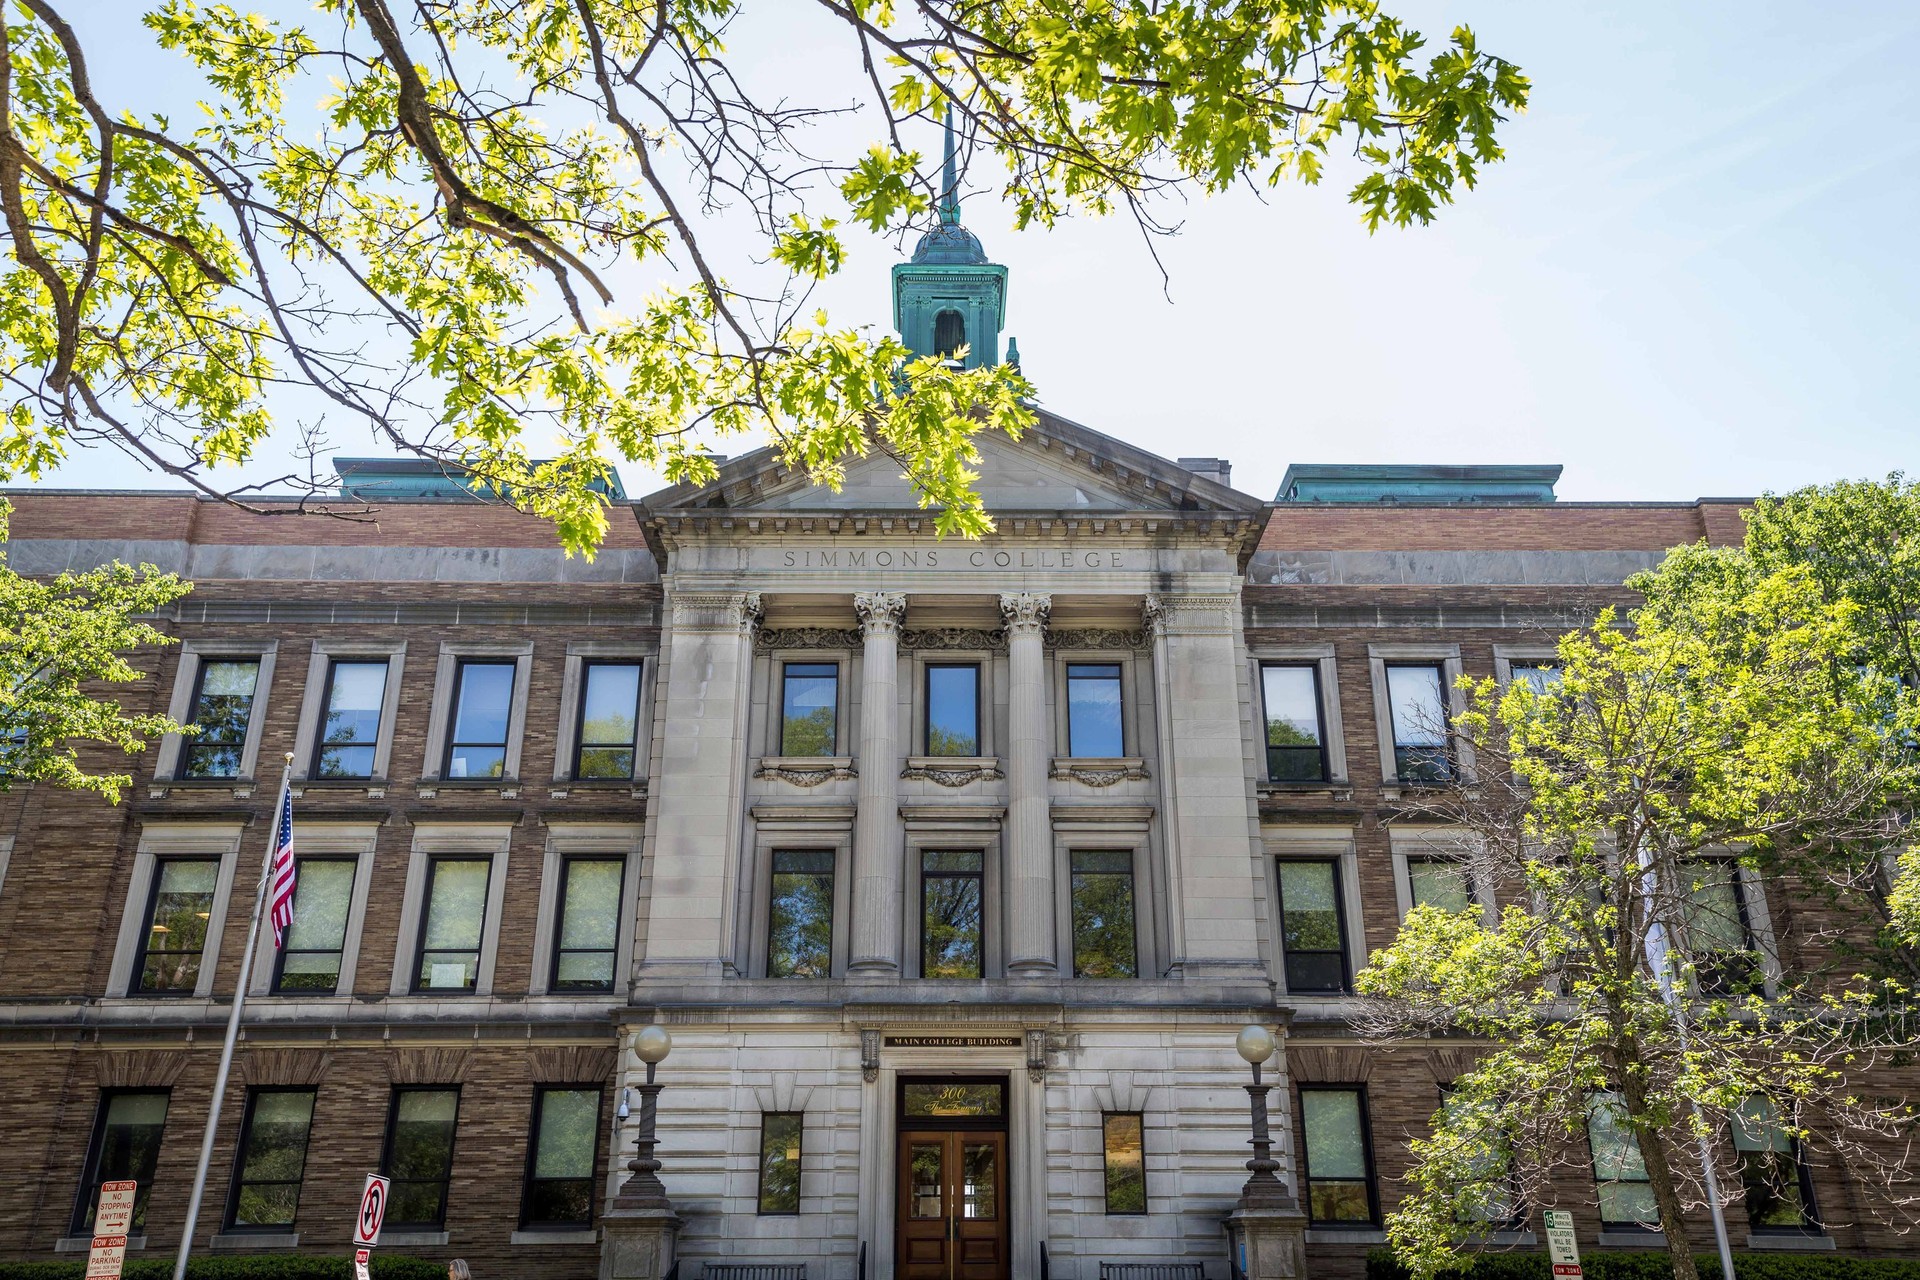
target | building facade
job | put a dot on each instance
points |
(953, 868)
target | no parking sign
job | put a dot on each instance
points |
(373, 1208)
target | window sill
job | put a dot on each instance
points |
(953, 771)
(1099, 771)
(1346, 1235)
(1628, 1238)
(375, 788)
(257, 1240)
(414, 1239)
(1790, 1242)
(806, 771)
(82, 1244)
(573, 1236)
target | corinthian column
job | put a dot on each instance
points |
(876, 823)
(1029, 896)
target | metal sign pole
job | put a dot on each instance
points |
(226, 1054)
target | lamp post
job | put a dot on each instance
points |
(1263, 1190)
(643, 1190)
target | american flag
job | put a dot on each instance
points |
(281, 912)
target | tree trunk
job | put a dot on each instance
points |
(1654, 1151)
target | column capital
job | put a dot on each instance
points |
(880, 611)
(1026, 612)
(1208, 614)
(717, 611)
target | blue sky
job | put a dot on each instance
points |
(1694, 275)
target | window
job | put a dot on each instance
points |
(1093, 710)
(953, 709)
(560, 1158)
(272, 1159)
(589, 927)
(451, 924)
(1542, 677)
(1718, 933)
(355, 693)
(1626, 1197)
(125, 1145)
(809, 702)
(1416, 702)
(1296, 740)
(222, 707)
(419, 1156)
(609, 720)
(1778, 1185)
(800, 916)
(1338, 1159)
(482, 710)
(1124, 1144)
(1103, 930)
(782, 1142)
(177, 919)
(1485, 1153)
(310, 962)
(1313, 931)
(1445, 883)
(950, 913)
(949, 333)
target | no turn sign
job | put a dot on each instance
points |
(373, 1208)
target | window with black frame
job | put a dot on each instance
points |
(419, 1156)
(560, 1158)
(482, 715)
(951, 898)
(1489, 1191)
(782, 1149)
(1339, 1156)
(609, 721)
(1446, 883)
(1124, 1161)
(953, 709)
(1541, 677)
(1104, 941)
(125, 1146)
(271, 1160)
(222, 708)
(809, 707)
(452, 920)
(1774, 1176)
(586, 937)
(179, 912)
(800, 914)
(1417, 708)
(1313, 931)
(1093, 710)
(309, 963)
(1619, 1172)
(1719, 934)
(353, 703)
(1295, 726)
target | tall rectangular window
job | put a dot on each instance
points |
(355, 695)
(1541, 677)
(800, 914)
(482, 711)
(953, 709)
(1726, 957)
(310, 962)
(1417, 703)
(272, 1159)
(1296, 737)
(950, 913)
(1338, 1156)
(609, 720)
(560, 1158)
(1123, 1147)
(178, 913)
(419, 1156)
(222, 708)
(1486, 1157)
(1773, 1171)
(1313, 931)
(451, 921)
(1093, 710)
(125, 1145)
(588, 931)
(1626, 1197)
(782, 1140)
(809, 703)
(1104, 943)
(1439, 882)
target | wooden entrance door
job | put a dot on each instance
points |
(951, 1223)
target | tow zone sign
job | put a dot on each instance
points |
(1562, 1248)
(110, 1224)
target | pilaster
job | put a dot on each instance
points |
(1030, 888)
(877, 883)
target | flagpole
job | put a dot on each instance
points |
(233, 1035)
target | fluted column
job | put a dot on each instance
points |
(1030, 888)
(876, 825)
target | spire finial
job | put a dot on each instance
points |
(950, 190)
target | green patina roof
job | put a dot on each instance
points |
(414, 479)
(1400, 482)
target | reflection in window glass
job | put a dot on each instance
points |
(589, 926)
(310, 961)
(566, 1132)
(1487, 1157)
(1103, 932)
(177, 922)
(928, 1177)
(482, 709)
(809, 697)
(1291, 696)
(781, 1134)
(1541, 677)
(609, 720)
(953, 710)
(1124, 1143)
(950, 899)
(800, 918)
(1311, 934)
(420, 1156)
(356, 691)
(953, 1098)
(273, 1158)
(1725, 955)
(1626, 1197)
(454, 916)
(979, 1193)
(1338, 1187)
(1093, 710)
(222, 709)
(1416, 702)
(1772, 1172)
(1439, 882)
(125, 1146)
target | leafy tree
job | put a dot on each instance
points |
(1725, 727)
(477, 229)
(59, 636)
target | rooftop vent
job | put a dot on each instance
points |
(1366, 482)
(421, 480)
(1218, 470)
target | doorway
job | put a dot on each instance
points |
(951, 1218)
